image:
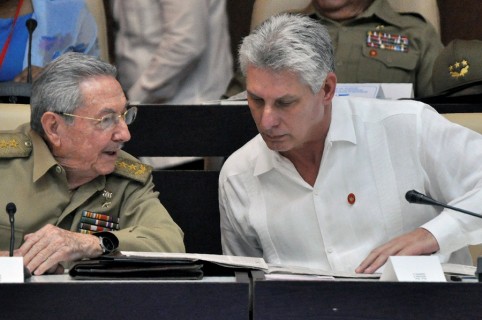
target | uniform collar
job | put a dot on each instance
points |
(342, 126)
(43, 162)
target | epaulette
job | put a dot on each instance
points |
(15, 145)
(134, 170)
(415, 15)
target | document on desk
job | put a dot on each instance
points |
(251, 263)
(192, 264)
(227, 261)
(295, 270)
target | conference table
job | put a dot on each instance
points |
(366, 299)
(245, 295)
(61, 297)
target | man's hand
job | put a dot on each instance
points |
(43, 250)
(417, 242)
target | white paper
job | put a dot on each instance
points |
(413, 269)
(229, 261)
(392, 91)
(11, 270)
(252, 263)
(296, 277)
(365, 90)
(396, 91)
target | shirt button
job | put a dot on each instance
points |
(330, 250)
(58, 169)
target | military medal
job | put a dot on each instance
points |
(108, 196)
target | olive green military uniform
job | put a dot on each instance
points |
(381, 45)
(37, 184)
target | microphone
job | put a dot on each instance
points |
(11, 209)
(31, 25)
(414, 196)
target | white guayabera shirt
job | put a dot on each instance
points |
(375, 151)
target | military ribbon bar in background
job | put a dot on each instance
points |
(387, 41)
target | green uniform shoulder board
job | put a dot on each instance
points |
(134, 170)
(15, 145)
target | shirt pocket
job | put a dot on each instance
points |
(379, 66)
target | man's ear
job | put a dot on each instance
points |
(329, 87)
(51, 125)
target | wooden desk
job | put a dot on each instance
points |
(58, 297)
(366, 300)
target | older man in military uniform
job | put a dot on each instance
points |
(373, 43)
(77, 194)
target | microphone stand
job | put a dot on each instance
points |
(31, 25)
(414, 196)
(17, 92)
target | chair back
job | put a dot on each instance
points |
(12, 115)
(472, 120)
(97, 9)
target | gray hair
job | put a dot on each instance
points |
(57, 89)
(290, 42)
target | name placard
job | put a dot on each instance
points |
(413, 269)
(11, 270)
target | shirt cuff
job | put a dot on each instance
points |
(447, 231)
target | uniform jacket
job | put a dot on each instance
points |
(37, 184)
(384, 46)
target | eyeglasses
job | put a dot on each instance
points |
(111, 120)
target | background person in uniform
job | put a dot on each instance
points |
(323, 185)
(373, 43)
(62, 26)
(68, 177)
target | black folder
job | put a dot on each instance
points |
(136, 268)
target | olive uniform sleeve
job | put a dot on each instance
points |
(144, 223)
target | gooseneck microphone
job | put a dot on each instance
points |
(413, 196)
(11, 209)
(31, 25)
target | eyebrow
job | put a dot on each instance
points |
(286, 96)
(110, 110)
(252, 95)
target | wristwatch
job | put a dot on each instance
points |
(106, 245)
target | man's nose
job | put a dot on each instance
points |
(122, 133)
(269, 118)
